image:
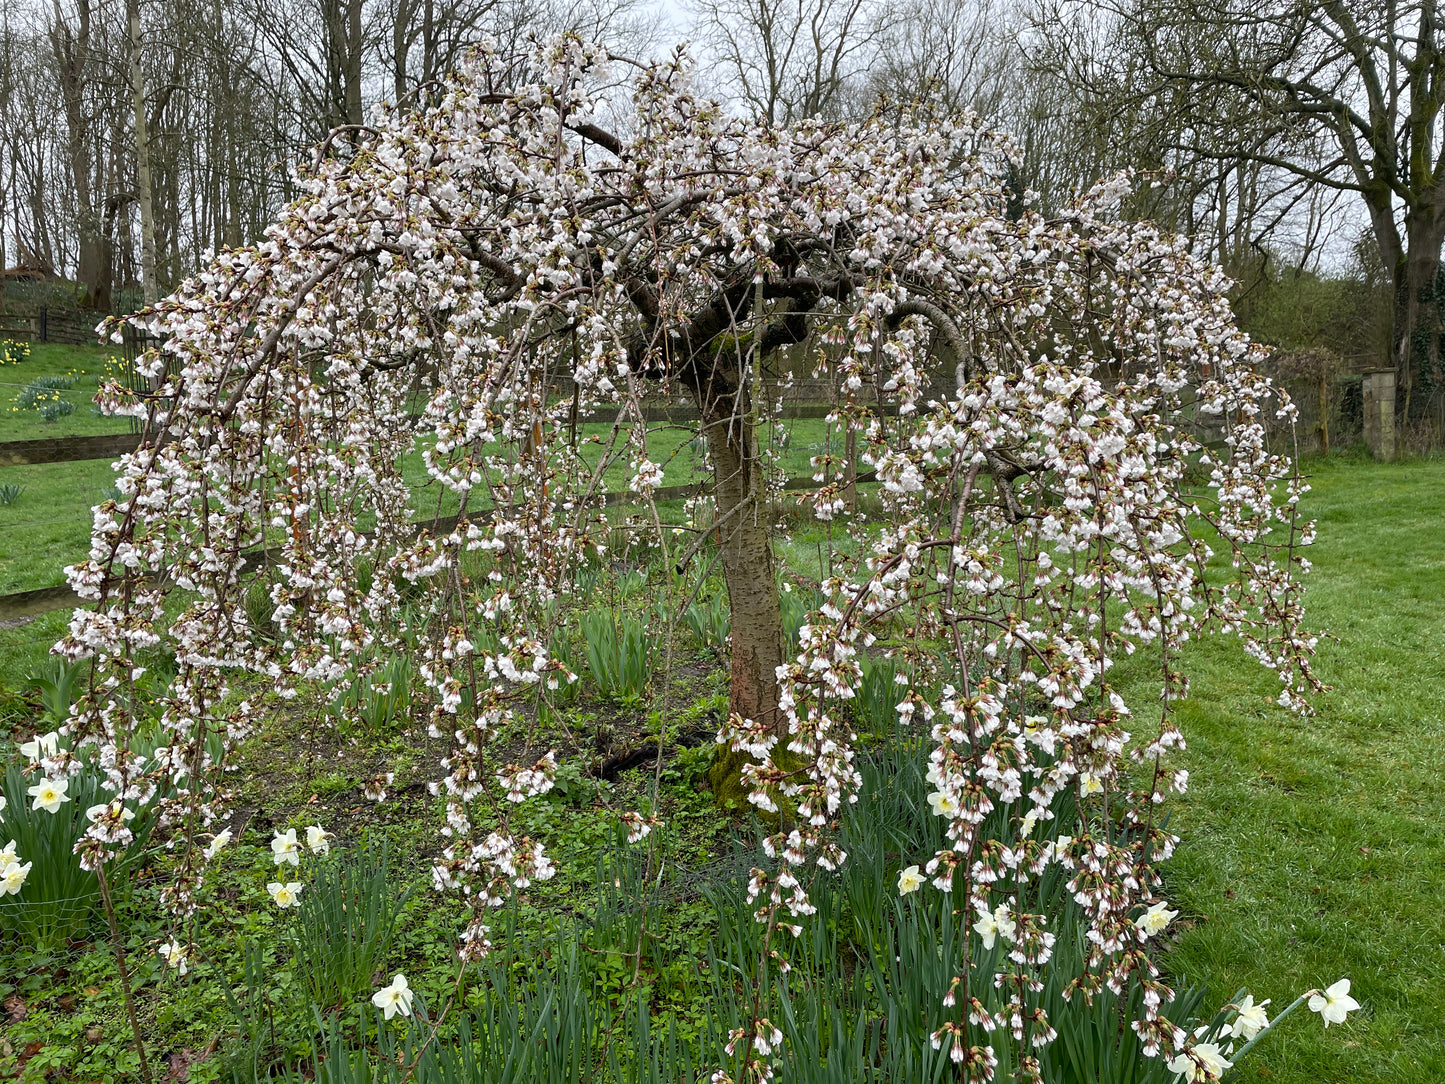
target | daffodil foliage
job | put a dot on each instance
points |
(570, 214)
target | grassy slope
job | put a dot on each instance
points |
(1312, 847)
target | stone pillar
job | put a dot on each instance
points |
(1379, 400)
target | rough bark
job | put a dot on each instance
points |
(72, 47)
(142, 158)
(747, 560)
(1418, 316)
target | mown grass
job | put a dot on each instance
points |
(48, 527)
(83, 365)
(1312, 847)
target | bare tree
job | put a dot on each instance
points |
(1341, 96)
(792, 59)
(142, 155)
(961, 51)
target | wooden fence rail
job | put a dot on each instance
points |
(17, 453)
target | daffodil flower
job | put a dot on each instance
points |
(8, 854)
(394, 999)
(1202, 1063)
(1250, 1019)
(12, 877)
(909, 880)
(942, 804)
(990, 924)
(1335, 1003)
(286, 895)
(1155, 919)
(285, 848)
(221, 838)
(175, 955)
(49, 794)
(114, 808)
(318, 839)
(45, 745)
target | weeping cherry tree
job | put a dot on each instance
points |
(570, 230)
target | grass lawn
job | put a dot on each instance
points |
(84, 366)
(1312, 848)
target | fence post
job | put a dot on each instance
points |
(44, 324)
(1378, 393)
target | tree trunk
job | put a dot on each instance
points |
(747, 559)
(354, 46)
(72, 55)
(1418, 304)
(142, 159)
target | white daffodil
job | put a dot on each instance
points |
(1335, 1003)
(8, 854)
(1089, 783)
(1155, 919)
(1207, 1064)
(46, 745)
(1250, 1020)
(221, 838)
(285, 848)
(12, 877)
(991, 924)
(287, 895)
(394, 999)
(909, 880)
(175, 955)
(49, 793)
(114, 808)
(3, 803)
(318, 839)
(942, 804)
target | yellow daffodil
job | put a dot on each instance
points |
(909, 880)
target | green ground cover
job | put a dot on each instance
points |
(48, 526)
(1311, 847)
